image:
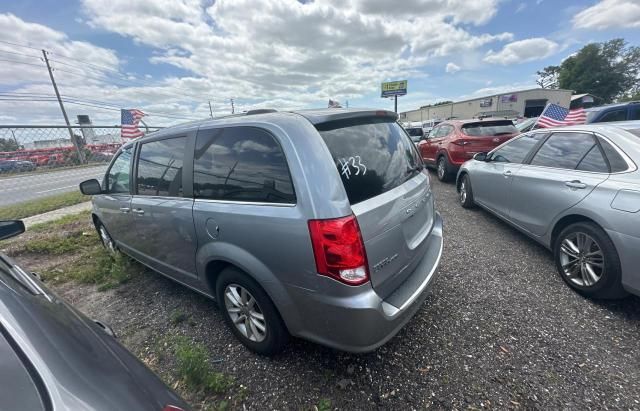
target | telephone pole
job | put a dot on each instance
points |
(233, 108)
(210, 109)
(64, 113)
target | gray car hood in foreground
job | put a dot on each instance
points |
(81, 366)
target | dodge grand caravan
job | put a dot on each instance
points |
(318, 224)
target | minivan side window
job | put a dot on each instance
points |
(159, 171)
(564, 150)
(517, 149)
(242, 164)
(117, 180)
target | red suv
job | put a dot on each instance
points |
(453, 142)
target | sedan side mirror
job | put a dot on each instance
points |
(481, 157)
(90, 187)
(11, 228)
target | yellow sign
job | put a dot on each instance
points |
(394, 88)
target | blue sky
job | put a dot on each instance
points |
(170, 57)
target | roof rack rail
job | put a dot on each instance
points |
(261, 111)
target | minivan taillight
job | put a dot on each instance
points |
(339, 249)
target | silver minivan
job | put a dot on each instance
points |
(318, 224)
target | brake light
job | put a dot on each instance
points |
(171, 408)
(339, 250)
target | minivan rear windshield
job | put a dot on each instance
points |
(372, 155)
(489, 128)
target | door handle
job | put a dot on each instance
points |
(575, 184)
(124, 209)
(507, 173)
(138, 211)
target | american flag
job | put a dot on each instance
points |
(555, 115)
(130, 118)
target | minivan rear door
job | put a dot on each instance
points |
(389, 192)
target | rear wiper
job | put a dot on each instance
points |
(503, 133)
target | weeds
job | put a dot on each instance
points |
(195, 370)
(324, 405)
(61, 244)
(177, 316)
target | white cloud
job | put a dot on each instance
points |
(279, 53)
(452, 68)
(522, 51)
(609, 13)
(521, 7)
(493, 90)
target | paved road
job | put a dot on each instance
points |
(18, 189)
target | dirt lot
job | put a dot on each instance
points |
(500, 330)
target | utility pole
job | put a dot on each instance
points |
(210, 109)
(233, 109)
(64, 113)
(395, 105)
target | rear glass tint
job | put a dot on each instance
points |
(372, 156)
(489, 128)
(414, 132)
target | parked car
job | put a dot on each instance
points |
(318, 223)
(614, 112)
(16, 166)
(453, 142)
(415, 133)
(575, 190)
(526, 124)
(54, 358)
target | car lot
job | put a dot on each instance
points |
(500, 330)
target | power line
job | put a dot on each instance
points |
(19, 45)
(22, 62)
(20, 54)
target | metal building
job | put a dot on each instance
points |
(523, 103)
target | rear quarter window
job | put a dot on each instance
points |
(372, 156)
(489, 128)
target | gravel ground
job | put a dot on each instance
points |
(500, 330)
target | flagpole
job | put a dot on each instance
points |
(538, 119)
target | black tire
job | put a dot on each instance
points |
(609, 285)
(466, 192)
(443, 169)
(276, 332)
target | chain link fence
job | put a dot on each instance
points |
(25, 148)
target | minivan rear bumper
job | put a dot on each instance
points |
(362, 321)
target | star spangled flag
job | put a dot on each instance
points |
(555, 115)
(130, 118)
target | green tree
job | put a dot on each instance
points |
(8, 144)
(548, 77)
(607, 70)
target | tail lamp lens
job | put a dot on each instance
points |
(339, 250)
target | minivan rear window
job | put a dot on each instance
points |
(372, 155)
(489, 128)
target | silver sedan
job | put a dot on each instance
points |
(576, 190)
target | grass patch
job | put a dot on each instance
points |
(96, 266)
(196, 372)
(66, 243)
(83, 216)
(178, 316)
(41, 205)
(324, 405)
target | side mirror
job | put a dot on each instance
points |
(11, 228)
(481, 157)
(90, 187)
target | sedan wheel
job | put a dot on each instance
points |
(466, 192)
(245, 313)
(582, 259)
(588, 261)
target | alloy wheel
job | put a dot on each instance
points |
(106, 240)
(582, 259)
(245, 313)
(441, 168)
(463, 191)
